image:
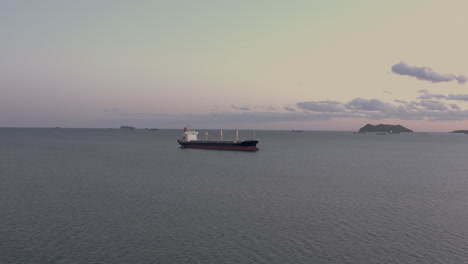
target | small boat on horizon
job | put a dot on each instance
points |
(294, 130)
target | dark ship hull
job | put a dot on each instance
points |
(247, 145)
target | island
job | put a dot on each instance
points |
(392, 129)
(460, 131)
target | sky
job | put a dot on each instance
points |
(246, 64)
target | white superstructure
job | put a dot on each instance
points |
(190, 135)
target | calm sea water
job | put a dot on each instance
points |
(115, 196)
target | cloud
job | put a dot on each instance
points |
(453, 97)
(407, 105)
(242, 108)
(427, 96)
(374, 109)
(433, 105)
(368, 105)
(290, 109)
(321, 106)
(426, 73)
(455, 107)
(268, 107)
(458, 97)
(432, 109)
(461, 79)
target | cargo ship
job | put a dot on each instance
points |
(190, 140)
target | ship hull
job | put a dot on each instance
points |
(247, 145)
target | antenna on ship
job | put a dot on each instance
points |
(221, 134)
(237, 135)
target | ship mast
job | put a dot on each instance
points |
(221, 134)
(237, 135)
(206, 135)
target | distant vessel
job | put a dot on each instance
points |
(151, 128)
(189, 140)
(127, 127)
(296, 130)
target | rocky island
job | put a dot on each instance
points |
(460, 131)
(384, 128)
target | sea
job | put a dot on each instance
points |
(133, 196)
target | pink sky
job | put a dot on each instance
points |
(312, 65)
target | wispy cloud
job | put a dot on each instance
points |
(458, 97)
(368, 105)
(453, 97)
(242, 108)
(428, 106)
(433, 105)
(426, 73)
(410, 106)
(428, 96)
(267, 107)
(455, 107)
(290, 109)
(321, 106)
(461, 79)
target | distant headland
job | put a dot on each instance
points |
(460, 131)
(384, 128)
